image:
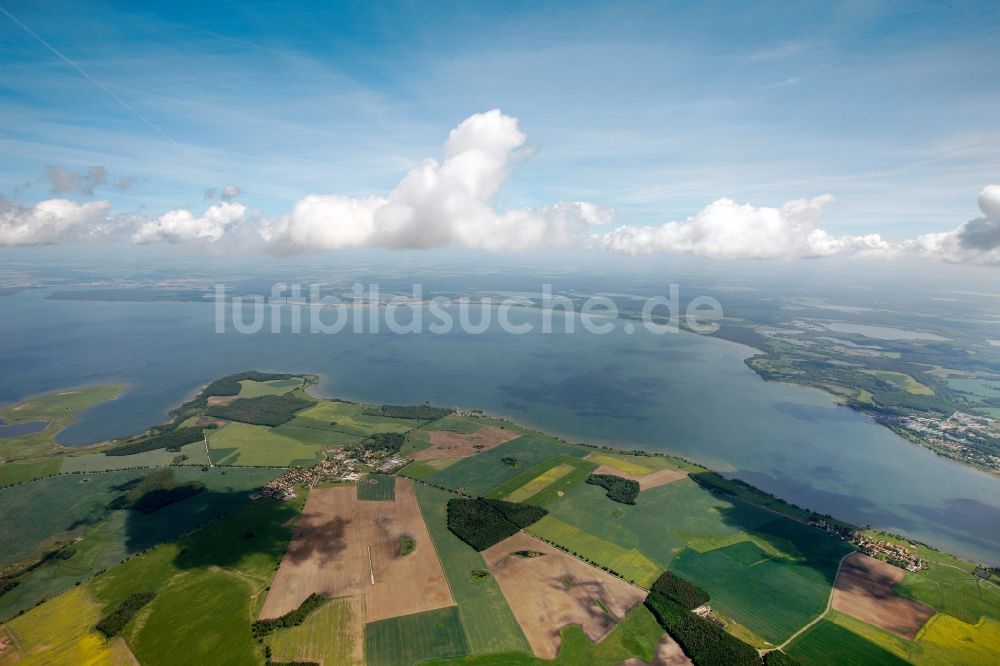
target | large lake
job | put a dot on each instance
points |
(682, 393)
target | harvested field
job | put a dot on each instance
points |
(864, 590)
(329, 554)
(214, 400)
(451, 444)
(550, 591)
(660, 477)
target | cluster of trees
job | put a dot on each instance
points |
(482, 523)
(294, 618)
(154, 491)
(706, 643)
(619, 488)
(268, 410)
(170, 440)
(8, 584)
(779, 658)
(230, 385)
(225, 386)
(384, 441)
(680, 590)
(111, 624)
(417, 412)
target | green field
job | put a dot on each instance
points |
(663, 521)
(545, 482)
(827, 643)
(489, 624)
(483, 471)
(424, 469)
(59, 409)
(631, 564)
(253, 445)
(413, 638)
(948, 586)
(28, 470)
(635, 636)
(62, 632)
(252, 389)
(771, 595)
(313, 431)
(208, 587)
(61, 507)
(98, 462)
(348, 417)
(324, 636)
(204, 616)
(377, 488)
(902, 381)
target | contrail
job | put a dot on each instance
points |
(87, 76)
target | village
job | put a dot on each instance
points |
(972, 438)
(340, 464)
(881, 550)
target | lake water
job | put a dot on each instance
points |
(15, 429)
(685, 394)
(883, 332)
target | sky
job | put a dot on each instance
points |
(724, 130)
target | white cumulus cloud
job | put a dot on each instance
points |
(181, 225)
(728, 230)
(976, 241)
(437, 204)
(51, 221)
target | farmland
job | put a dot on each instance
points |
(252, 445)
(62, 632)
(342, 544)
(480, 473)
(864, 590)
(638, 636)
(453, 444)
(350, 418)
(827, 643)
(36, 516)
(489, 624)
(540, 581)
(377, 488)
(544, 482)
(28, 470)
(194, 454)
(412, 638)
(331, 634)
(772, 596)
(402, 583)
(630, 564)
(254, 389)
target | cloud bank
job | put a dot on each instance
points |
(728, 230)
(452, 202)
(49, 221)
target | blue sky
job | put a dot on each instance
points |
(652, 109)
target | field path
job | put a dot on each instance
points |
(829, 603)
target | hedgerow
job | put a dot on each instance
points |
(112, 623)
